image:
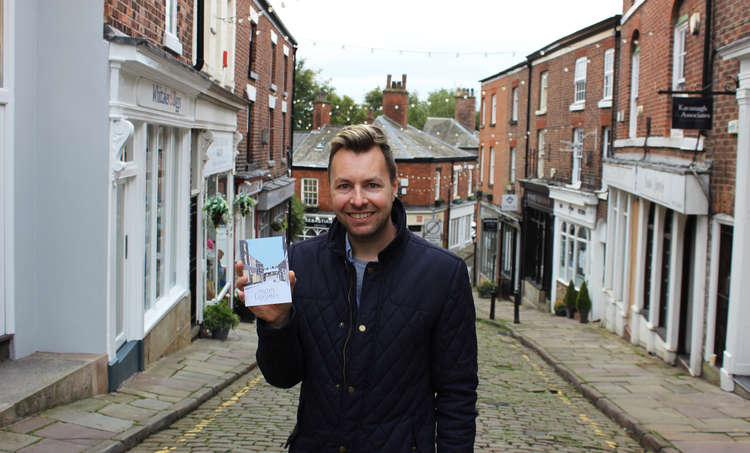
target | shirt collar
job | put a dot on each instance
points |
(349, 252)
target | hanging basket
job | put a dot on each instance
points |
(243, 204)
(216, 208)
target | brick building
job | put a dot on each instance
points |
(264, 76)
(436, 179)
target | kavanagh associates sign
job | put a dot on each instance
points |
(692, 113)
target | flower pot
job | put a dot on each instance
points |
(571, 312)
(584, 317)
(221, 333)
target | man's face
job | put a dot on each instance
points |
(362, 192)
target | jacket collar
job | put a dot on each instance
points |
(337, 233)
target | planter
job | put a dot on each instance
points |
(221, 333)
(571, 312)
(584, 317)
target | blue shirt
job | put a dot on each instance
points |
(359, 266)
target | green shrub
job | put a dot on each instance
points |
(219, 315)
(583, 301)
(485, 288)
(571, 295)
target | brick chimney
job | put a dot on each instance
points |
(369, 119)
(466, 105)
(396, 100)
(321, 111)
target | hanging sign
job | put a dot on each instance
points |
(489, 224)
(692, 113)
(510, 202)
(220, 154)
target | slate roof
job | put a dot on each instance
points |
(299, 136)
(408, 144)
(453, 132)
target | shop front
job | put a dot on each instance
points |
(538, 239)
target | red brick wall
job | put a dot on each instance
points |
(146, 19)
(261, 153)
(396, 105)
(324, 194)
(559, 121)
(321, 114)
(465, 111)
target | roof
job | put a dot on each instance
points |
(408, 145)
(299, 136)
(452, 132)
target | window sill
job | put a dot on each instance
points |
(172, 42)
(513, 122)
(161, 307)
(274, 88)
(540, 112)
(577, 106)
(253, 75)
(286, 94)
(605, 103)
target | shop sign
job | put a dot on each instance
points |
(220, 154)
(160, 97)
(489, 224)
(692, 113)
(510, 202)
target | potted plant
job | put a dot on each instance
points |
(219, 318)
(486, 288)
(243, 203)
(217, 208)
(583, 303)
(570, 299)
(560, 308)
(479, 194)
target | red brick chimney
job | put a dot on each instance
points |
(321, 111)
(466, 105)
(396, 100)
(369, 119)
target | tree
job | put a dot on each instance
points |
(374, 101)
(417, 111)
(297, 220)
(344, 111)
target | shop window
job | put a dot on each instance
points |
(666, 268)
(164, 186)
(573, 254)
(217, 243)
(507, 255)
(310, 191)
(648, 268)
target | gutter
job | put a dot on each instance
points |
(199, 60)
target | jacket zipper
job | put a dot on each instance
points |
(351, 320)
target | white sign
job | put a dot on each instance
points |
(220, 154)
(160, 97)
(433, 231)
(510, 202)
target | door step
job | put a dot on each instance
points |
(742, 386)
(44, 380)
(5, 341)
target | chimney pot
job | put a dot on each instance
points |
(388, 83)
(403, 81)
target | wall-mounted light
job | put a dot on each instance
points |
(695, 23)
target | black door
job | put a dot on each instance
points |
(686, 294)
(722, 293)
(193, 257)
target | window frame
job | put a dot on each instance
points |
(543, 91)
(577, 164)
(679, 55)
(493, 116)
(579, 81)
(609, 75)
(492, 166)
(171, 19)
(512, 166)
(514, 106)
(309, 192)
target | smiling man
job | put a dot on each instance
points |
(381, 331)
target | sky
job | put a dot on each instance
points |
(269, 251)
(357, 43)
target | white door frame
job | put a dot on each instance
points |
(7, 235)
(635, 67)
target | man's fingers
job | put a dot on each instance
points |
(292, 279)
(238, 267)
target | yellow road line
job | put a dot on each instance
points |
(192, 432)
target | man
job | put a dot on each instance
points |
(381, 331)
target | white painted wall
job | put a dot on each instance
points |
(61, 164)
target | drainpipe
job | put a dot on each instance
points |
(707, 52)
(199, 42)
(289, 157)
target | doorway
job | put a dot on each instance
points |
(193, 265)
(686, 293)
(722, 293)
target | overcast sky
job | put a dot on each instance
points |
(357, 43)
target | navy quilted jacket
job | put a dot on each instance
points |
(399, 374)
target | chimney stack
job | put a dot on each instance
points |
(396, 101)
(321, 111)
(370, 118)
(465, 112)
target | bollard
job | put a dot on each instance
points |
(492, 303)
(516, 305)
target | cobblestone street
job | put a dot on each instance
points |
(523, 406)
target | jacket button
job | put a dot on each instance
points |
(351, 389)
(362, 328)
(341, 325)
(342, 449)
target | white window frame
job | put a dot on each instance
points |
(437, 184)
(608, 78)
(7, 246)
(308, 192)
(679, 56)
(541, 136)
(455, 184)
(514, 106)
(575, 174)
(481, 164)
(579, 84)
(512, 176)
(492, 165)
(481, 119)
(171, 39)
(606, 131)
(494, 110)
(470, 171)
(635, 69)
(567, 265)
(175, 218)
(543, 92)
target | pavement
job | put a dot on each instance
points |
(524, 403)
(663, 407)
(146, 403)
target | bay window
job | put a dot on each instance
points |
(573, 240)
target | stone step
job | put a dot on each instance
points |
(742, 386)
(44, 380)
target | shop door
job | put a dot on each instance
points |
(121, 257)
(686, 294)
(193, 258)
(722, 293)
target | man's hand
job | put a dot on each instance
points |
(276, 315)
